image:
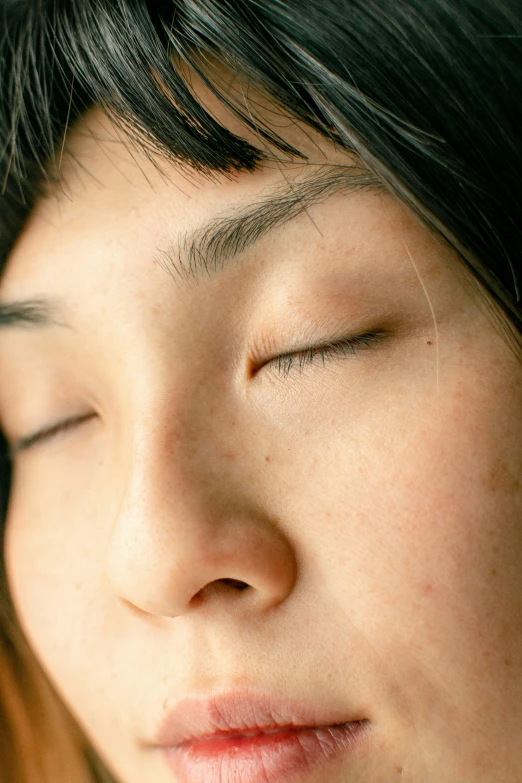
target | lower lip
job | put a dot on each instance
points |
(285, 755)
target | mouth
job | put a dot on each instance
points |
(240, 737)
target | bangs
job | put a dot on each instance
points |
(424, 93)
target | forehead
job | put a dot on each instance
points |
(100, 161)
(113, 192)
(103, 171)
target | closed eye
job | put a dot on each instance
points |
(46, 433)
(285, 363)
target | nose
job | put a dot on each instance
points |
(179, 543)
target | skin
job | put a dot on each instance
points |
(372, 503)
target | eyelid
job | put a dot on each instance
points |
(27, 441)
(308, 355)
(303, 356)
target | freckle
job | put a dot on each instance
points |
(507, 662)
(268, 458)
(430, 342)
(399, 770)
(494, 572)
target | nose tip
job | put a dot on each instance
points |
(174, 570)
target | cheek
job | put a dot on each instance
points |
(56, 576)
(416, 526)
(54, 570)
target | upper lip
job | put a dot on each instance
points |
(241, 712)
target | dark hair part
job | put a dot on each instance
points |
(426, 92)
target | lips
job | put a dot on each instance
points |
(255, 739)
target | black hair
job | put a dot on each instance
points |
(426, 92)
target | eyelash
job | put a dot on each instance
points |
(320, 354)
(49, 432)
(282, 364)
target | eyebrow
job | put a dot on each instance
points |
(200, 253)
(32, 313)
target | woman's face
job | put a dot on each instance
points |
(365, 495)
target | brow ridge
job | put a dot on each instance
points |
(207, 250)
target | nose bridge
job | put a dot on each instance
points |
(186, 442)
(183, 536)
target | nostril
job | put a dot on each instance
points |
(218, 586)
(235, 583)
